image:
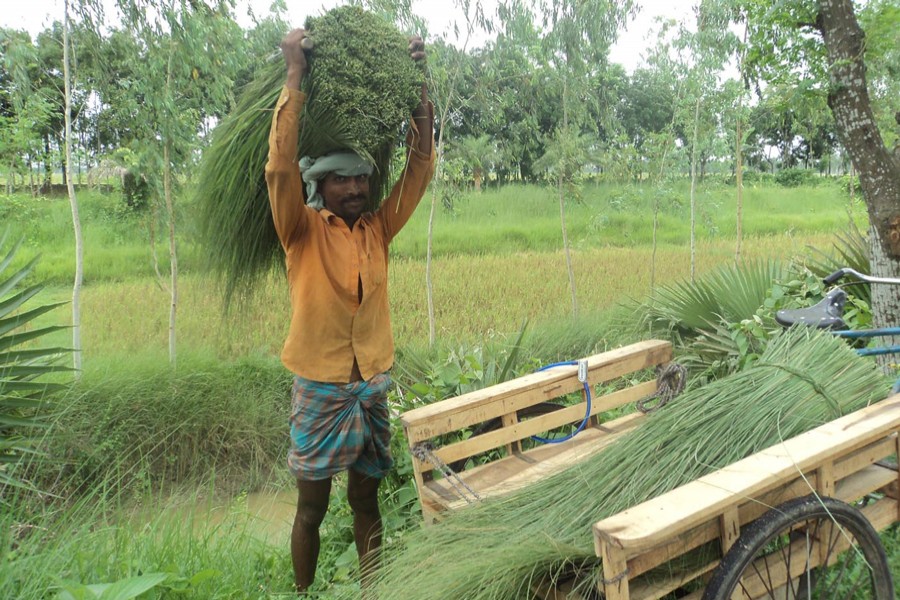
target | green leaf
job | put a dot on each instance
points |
(126, 589)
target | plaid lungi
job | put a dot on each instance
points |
(336, 427)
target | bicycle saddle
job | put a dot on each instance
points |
(824, 315)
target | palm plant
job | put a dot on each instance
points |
(850, 250)
(22, 362)
(714, 320)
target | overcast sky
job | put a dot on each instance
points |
(34, 15)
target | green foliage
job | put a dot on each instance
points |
(135, 190)
(24, 365)
(714, 320)
(362, 84)
(140, 424)
(795, 177)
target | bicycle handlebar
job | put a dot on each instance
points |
(834, 277)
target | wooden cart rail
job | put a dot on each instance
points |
(838, 459)
(519, 468)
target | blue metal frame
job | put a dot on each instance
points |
(878, 350)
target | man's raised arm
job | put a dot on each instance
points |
(282, 171)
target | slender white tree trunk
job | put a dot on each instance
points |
(562, 201)
(694, 188)
(439, 153)
(73, 201)
(739, 183)
(170, 210)
(739, 157)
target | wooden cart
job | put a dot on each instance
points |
(771, 520)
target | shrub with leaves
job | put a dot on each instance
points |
(362, 87)
(22, 363)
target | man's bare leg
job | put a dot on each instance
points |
(362, 495)
(312, 504)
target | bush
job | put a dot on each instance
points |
(796, 177)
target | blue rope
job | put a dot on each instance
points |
(587, 412)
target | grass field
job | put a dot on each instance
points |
(134, 444)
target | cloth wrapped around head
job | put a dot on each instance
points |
(348, 164)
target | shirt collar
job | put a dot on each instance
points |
(332, 218)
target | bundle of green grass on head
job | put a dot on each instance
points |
(498, 549)
(362, 87)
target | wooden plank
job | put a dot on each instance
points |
(852, 488)
(649, 524)
(523, 430)
(514, 472)
(475, 407)
(729, 528)
(615, 573)
(825, 479)
(867, 455)
(652, 590)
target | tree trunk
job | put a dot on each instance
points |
(562, 202)
(170, 211)
(739, 155)
(878, 171)
(73, 201)
(694, 188)
(173, 255)
(739, 183)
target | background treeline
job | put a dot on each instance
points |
(518, 108)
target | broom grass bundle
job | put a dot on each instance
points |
(361, 88)
(499, 548)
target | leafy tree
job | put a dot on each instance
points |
(821, 42)
(183, 73)
(477, 153)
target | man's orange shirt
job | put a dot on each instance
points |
(327, 261)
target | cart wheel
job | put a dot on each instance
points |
(796, 537)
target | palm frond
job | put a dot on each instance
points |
(730, 293)
(851, 249)
(23, 397)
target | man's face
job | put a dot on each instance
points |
(345, 196)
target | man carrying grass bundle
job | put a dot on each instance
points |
(340, 347)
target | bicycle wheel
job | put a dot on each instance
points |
(810, 547)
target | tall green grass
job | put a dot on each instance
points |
(131, 414)
(514, 218)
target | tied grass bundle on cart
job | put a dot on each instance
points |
(361, 88)
(498, 549)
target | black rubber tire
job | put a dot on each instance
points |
(535, 410)
(862, 574)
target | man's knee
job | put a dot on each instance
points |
(362, 496)
(311, 514)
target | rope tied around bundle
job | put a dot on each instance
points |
(670, 380)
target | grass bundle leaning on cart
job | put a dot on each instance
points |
(362, 88)
(498, 549)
